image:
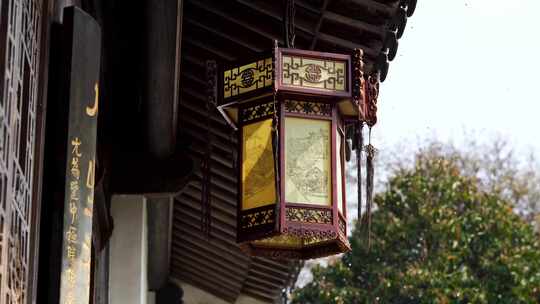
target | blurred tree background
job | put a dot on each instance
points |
(451, 226)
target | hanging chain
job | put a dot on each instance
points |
(234, 155)
(360, 144)
(275, 131)
(289, 25)
(370, 174)
(275, 118)
(206, 184)
(371, 120)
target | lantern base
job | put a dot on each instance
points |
(292, 247)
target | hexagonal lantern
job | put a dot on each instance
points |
(290, 108)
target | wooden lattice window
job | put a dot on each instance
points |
(20, 29)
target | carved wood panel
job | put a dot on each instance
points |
(20, 29)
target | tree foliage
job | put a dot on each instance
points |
(438, 236)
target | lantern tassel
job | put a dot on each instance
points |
(275, 139)
(359, 145)
(370, 173)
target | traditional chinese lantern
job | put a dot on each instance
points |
(290, 109)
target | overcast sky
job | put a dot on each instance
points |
(465, 65)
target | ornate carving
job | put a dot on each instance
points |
(316, 216)
(300, 243)
(358, 80)
(247, 78)
(211, 82)
(311, 236)
(257, 111)
(373, 95)
(313, 73)
(342, 226)
(308, 108)
(257, 218)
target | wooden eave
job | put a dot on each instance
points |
(226, 30)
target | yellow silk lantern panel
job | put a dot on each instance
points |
(258, 175)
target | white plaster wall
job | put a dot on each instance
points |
(151, 297)
(243, 299)
(194, 295)
(128, 251)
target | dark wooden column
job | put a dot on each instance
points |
(161, 94)
(160, 212)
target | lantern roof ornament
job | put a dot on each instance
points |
(291, 109)
(287, 72)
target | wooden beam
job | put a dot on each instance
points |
(231, 17)
(199, 259)
(160, 210)
(358, 24)
(225, 197)
(216, 31)
(162, 75)
(271, 9)
(189, 210)
(308, 7)
(319, 24)
(265, 282)
(278, 280)
(348, 44)
(200, 151)
(203, 269)
(219, 54)
(218, 290)
(197, 124)
(225, 206)
(191, 223)
(218, 252)
(385, 7)
(217, 215)
(274, 264)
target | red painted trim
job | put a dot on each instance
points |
(308, 206)
(239, 234)
(314, 54)
(303, 91)
(343, 177)
(312, 117)
(312, 226)
(333, 131)
(283, 204)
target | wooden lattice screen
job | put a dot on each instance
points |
(20, 28)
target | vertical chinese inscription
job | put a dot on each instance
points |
(78, 230)
(84, 35)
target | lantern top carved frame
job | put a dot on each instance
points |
(291, 101)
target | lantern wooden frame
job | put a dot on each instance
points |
(322, 89)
